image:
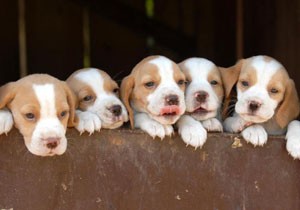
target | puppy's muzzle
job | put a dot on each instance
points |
(201, 96)
(116, 110)
(172, 100)
(253, 106)
(52, 142)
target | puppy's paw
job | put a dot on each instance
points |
(88, 121)
(293, 139)
(155, 129)
(256, 135)
(169, 130)
(293, 146)
(235, 124)
(6, 121)
(212, 124)
(193, 134)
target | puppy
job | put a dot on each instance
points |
(154, 95)
(99, 103)
(42, 107)
(203, 98)
(267, 102)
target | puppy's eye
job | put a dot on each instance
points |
(213, 82)
(149, 84)
(188, 82)
(63, 113)
(181, 82)
(88, 98)
(274, 90)
(245, 83)
(116, 90)
(30, 116)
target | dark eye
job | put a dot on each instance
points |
(63, 114)
(274, 90)
(245, 83)
(181, 82)
(213, 82)
(30, 116)
(149, 84)
(116, 90)
(88, 98)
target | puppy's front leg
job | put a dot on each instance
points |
(293, 139)
(235, 124)
(192, 132)
(87, 121)
(6, 121)
(152, 127)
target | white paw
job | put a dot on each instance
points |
(193, 134)
(6, 121)
(235, 124)
(293, 139)
(293, 146)
(88, 121)
(256, 135)
(155, 129)
(212, 124)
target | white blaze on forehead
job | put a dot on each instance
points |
(199, 67)
(264, 69)
(164, 68)
(46, 98)
(93, 78)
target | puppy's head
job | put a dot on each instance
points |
(42, 108)
(155, 86)
(264, 90)
(204, 91)
(98, 93)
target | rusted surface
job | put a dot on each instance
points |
(124, 169)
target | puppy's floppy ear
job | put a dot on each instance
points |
(289, 108)
(73, 103)
(7, 93)
(126, 89)
(230, 76)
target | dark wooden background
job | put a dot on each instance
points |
(120, 31)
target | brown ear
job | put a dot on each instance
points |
(289, 108)
(230, 76)
(7, 94)
(72, 101)
(126, 88)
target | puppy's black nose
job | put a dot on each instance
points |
(201, 96)
(254, 106)
(172, 100)
(116, 110)
(52, 142)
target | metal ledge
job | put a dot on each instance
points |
(125, 169)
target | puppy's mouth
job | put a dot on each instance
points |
(201, 111)
(169, 111)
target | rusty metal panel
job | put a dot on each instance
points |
(124, 169)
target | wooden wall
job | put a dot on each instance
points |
(121, 34)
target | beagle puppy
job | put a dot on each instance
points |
(203, 98)
(42, 107)
(99, 103)
(154, 95)
(266, 102)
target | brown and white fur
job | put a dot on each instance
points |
(267, 102)
(42, 107)
(154, 95)
(99, 103)
(203, 98)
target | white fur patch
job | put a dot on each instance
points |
(6, 121)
